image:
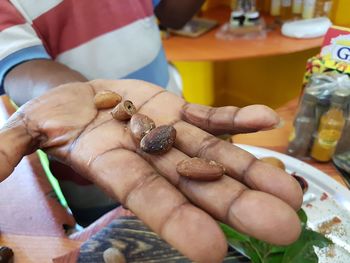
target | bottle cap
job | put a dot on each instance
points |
(310, 95)
(341, 96)
(237, 13)
(252, 15)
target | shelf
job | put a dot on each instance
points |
(208, 48)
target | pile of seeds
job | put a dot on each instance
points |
(156, 140)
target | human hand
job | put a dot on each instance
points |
(253, 197)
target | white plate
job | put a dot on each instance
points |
(319, 210)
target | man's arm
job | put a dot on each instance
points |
(176, 13)
(33, 78)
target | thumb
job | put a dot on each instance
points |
(16, 141)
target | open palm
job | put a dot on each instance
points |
(253, 197)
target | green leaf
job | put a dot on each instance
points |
(274, 258)
(262, 248)
(303, 249)
(267, 251)
(278, 249)
(261, 252)
(240, 242)
(246, 249)
(233, 234)
(302, 216)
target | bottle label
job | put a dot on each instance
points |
(297, 6)
(309, 9)
(329, 138)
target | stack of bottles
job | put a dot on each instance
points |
(290, 9)
(321, 127)
(245, 22)
(245, 14)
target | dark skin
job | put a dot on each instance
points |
(181, 211)
(33, 78)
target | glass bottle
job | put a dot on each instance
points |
(303, 127)
(286, 10)
(253, 6)
(323, 8)
(239, 5)
(308, 9)
(341, 157)
(252, 18)
(246, 5)
(275, 8)
(330, 128)
(297, 7)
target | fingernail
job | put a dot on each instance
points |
(278, 125)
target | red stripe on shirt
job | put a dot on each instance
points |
(9, 16)
(72, 23)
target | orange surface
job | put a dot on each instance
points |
(208, 48)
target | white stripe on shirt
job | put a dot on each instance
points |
(16, 38)
(118, 53)
(31, 10)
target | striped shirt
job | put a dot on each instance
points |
(109, 39)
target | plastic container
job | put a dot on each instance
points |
(331, 127)
(341, 157)
(303, 127)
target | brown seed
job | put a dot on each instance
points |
(200, 169)
(140, 125)
(303, 183)
(159, 140)
(274, 161)
(123, 111)
(113, 255)
(6, 255)
(106, 99)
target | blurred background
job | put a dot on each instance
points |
(267, 69)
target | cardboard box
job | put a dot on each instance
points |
(334, 55)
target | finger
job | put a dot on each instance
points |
(153, 101)
(230, 119)
(17, 140)
(133, 90)
(233, 203)
(239, 164)
(131, 180)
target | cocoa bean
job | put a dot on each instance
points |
(6, 255)
(159, 140)
(113, 255)
(140, 125)
(200, 169)
(124, 111)
(107, 99)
